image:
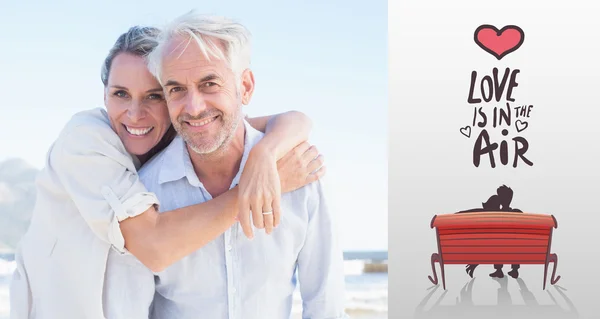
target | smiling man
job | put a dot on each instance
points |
(203, 64)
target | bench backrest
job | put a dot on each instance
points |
(494, 237)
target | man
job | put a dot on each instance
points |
(202, 63)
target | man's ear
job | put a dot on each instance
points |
(247, 86)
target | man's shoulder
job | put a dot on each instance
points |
(311, 202)
(315, 188)
(310, 194)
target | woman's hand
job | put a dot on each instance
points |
(300, 167)
(263, 179)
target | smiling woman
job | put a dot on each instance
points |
(91, 202)
(135, 104)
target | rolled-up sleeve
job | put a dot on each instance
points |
(320, 262)
(101, 179)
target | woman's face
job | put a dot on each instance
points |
(135, 104)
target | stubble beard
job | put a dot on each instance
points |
(216, 146)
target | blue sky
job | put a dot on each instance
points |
(327, 59)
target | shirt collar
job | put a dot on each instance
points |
(176, 163)
(172, 166)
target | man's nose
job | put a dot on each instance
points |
(136, 111)
(196, 104)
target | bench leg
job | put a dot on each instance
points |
(436, 258)
(552, 258)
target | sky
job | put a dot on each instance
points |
(327, 59)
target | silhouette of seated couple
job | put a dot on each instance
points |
(500, 202)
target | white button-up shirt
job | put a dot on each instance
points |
(233, 277)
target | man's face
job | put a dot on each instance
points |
(204, 104)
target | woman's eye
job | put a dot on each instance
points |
(121, 94)
(155, 97)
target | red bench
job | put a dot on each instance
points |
(494, 238)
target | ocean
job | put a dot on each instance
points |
(366, 285)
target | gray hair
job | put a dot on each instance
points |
(139, 41)
(205, 30)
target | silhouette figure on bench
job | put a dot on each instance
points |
(500, 202)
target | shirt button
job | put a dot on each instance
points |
(233, 290)
(228, 247)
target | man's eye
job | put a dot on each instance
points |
(209, 87)
(175, 89)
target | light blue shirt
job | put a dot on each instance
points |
(233, 277)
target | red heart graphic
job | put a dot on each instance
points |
(499, 42)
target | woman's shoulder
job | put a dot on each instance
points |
(90, 127)
(94, 118)
(89, 133)
(91, 130)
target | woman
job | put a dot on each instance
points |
(90, 202)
